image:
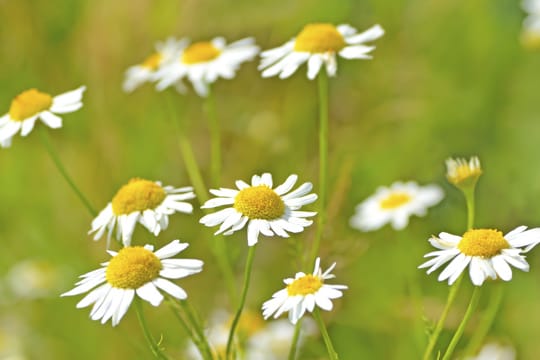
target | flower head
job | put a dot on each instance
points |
(463, 173)
(530, 36)
(204, 62)
(264, 210)
(139, 74)
(486, 251)
(318, 44)
(395, 204)
(143, 201)
(303, 293)
(31, 105)
(134, 270)
(495, 351)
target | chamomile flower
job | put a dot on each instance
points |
(395, 204)
(530, 36)
(143, 201)
(486, 251)
(317, 44)
(205, 61)
(139, 74)
(134, 270)
(31, 105)
(303, 293)
(263, 209)
(463, 173)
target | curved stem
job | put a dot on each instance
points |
(197, 328)
(247, 276)
(332, 354)
(154, 347)
(487, 320)
(470, 309)
(56, 159)
(294, 342)
(438, 328)
(215, 137)
(323, 160)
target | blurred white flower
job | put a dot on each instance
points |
(317, 44)
(395, 204)
(530, 35)
(494, 351)
(33, 279)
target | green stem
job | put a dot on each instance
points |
(487, 320)
(247, 276)
(294, 342)
(154, 347)
(323, 160)
(215, 137)
(56, 159)
(470, 309)
(438, 328)
(198, 329)
(469, 198)
(327, 341)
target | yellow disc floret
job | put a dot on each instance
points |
(485, 243)
(29, 103)
(152, 62)
(132, 267)
(395, 200)
(259, 202)
(138, 195)
(200, 52)
(319, 38)
(462, 173)
(304, 285)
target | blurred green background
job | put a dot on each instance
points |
(449, 78)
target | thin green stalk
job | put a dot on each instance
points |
(438, 328)
(323, 160)
(247, 276)
(469, 198)
(197, 327)
(154, 347)
(196, 340)
(56, 159)
(487, 319)
(294, 342)
(327, 341)
(470, 309)
(215, 137)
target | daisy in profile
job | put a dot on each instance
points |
(530, 36)
(205, 61)
(263, 209)
(463, 173)
(134, 270)
(143, 201)
(395, 204)
(139, 74)
(303, 293)
(31, 105)
(317, 44)
(486, 252)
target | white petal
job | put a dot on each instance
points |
(370, 34)
(170, 288)
(314, 66)
(149, 293)
(502, 269)
(51, 120)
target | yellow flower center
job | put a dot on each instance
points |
(250, 322)
(200, 52)
(305, 285)
(132, 267)
(28, 104)
(462, 172)
(485, 243)
(319, 38)
(259, 202)
(395, 200)
(137, 195)
(152, 62)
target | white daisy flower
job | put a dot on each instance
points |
(303, 293)
(486, 251)
(494, 351)
(318, 44)
(395, 204)
(205, 61)
(264, 210)
(461, 172)
(134, 270)
(530, 35)
(141, 73)
(31, 105)
(143, 201)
